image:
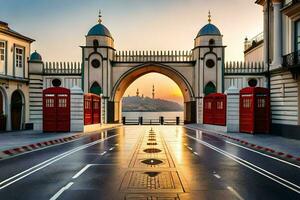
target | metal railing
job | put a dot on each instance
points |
(147, 121)
(70, 68)
(153, 56)
(244, 67)
(292, 60)
(253, 41)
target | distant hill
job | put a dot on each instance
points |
(146, 104)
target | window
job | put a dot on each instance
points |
(220, 105)
(49, 103)
(62, 103)
(95, 43)
(19, 57)
(247, 103)
(2, 56)
(261, 103)
(297, 35)
(211, 42)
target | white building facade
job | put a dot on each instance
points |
(282, 38)
(14, 79)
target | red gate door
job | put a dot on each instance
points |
(49, 112)
(219, 109)
(96, 109)
(56, 109)
(262, 113)
(88, 109)
(208, 110)
(63, 113)
(246, 113)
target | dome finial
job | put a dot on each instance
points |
(209, 17)
(99, 20)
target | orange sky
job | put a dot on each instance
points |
(59, 27)
(165, 88)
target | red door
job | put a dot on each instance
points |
(246, 113)
(262, 113)
(88, 111)
(56, 110)
(219, 109)
(96, 109)
(208, 110)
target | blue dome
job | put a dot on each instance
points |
(99, 30)
(36, 57)
(209, 29)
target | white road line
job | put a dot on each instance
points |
(54, 197)
(111, 148)
(235, 193)
(103, 153)
(253, 167)
(81, 171)
(278, 159)
(195, 153)
(46, 163)
(217, 176)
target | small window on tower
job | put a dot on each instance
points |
(211, 42)
(95, 43)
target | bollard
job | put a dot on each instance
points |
(141, 120)
(177, 120)
(161, 120)
(124, 120)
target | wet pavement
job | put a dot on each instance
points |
(143, 162)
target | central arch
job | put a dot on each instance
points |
(134, 73)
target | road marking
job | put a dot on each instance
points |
(111, 148)
(278, 159)
(48, 162)
(81, 171)
(190, 148)
(253, 167)
(195, 153)
(217, 176)
(54, 197)
(235, 193)
(103, 153)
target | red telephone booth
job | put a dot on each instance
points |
(254, 110)
(88, 111)
(92, 108)
(215, 109)
(56, 109)
(96, 109)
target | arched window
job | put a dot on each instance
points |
(96, 89)
(210, 88)
(95, 43)
(211, 42)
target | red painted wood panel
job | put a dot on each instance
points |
(254, 110)
(215, 109)
(56, 109)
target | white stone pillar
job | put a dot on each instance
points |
(77, 109)
(199, 103)
(233, 109)
(266, 36)
(277, 57)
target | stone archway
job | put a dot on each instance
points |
(3, 112)
(114, 106)
(16, 110)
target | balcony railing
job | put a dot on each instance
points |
(239, 68)
(70, 68)
(153, 56)
(292, 60)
